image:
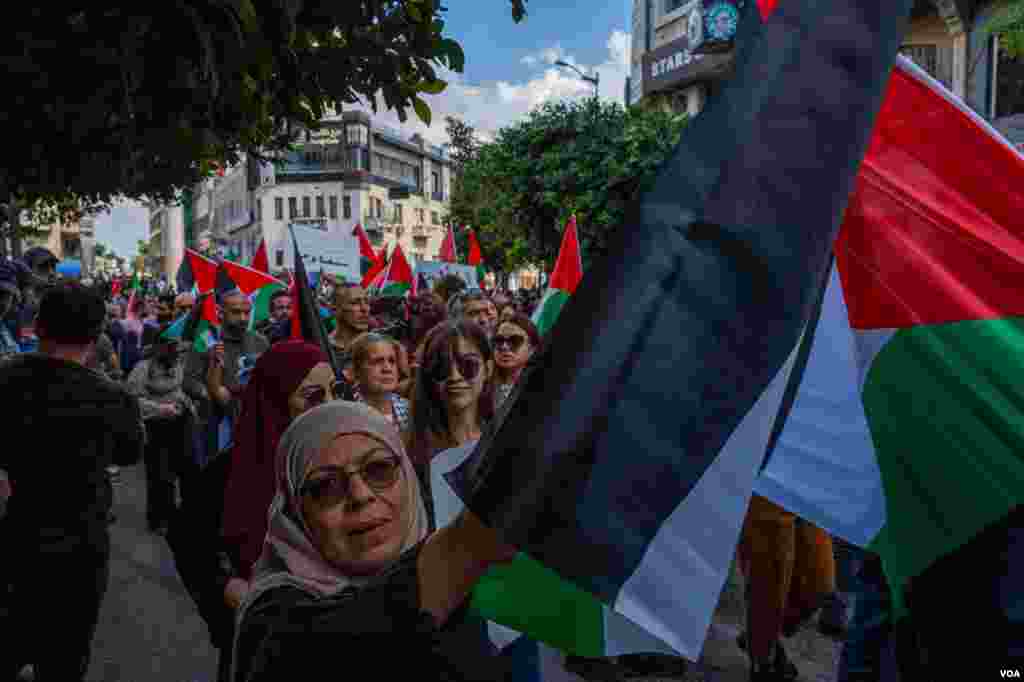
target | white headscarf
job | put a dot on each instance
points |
(289, 557)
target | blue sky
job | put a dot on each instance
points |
(508, 72)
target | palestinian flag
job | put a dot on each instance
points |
(368, 260)
(475, 257)
(906, 436)
(652, 406)
(397, 279)
(564, 280)
(448, 253)
(196, 273)
(258, 286)
(307, 322)
(260, 261)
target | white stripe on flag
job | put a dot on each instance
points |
(824, 467)
(675, 589)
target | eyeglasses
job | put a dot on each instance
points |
(317, 395)
(469, 367)
(513, 342)
(378, 475)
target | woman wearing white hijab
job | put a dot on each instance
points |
(349, 579)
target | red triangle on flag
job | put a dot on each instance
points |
(448, 254)
(260, 261)
(247, 279)
(204, 270)
(767, 7)
(569, 266)
(474, 258)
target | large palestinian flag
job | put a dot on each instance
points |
(628, 469)
(906, 436)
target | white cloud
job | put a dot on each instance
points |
(490, 105)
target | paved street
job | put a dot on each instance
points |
(149, 628)
(150, 631)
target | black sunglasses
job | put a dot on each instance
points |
(513, 342)
(469, 367)
(336, 487)
(317, 395)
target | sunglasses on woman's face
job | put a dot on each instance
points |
(317, 395)
(513, 342)
(468, 365)
(336, 487)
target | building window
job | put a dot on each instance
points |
(435, 219)
(925, 56)
(421, 215)
(279, 208)
(380, 208)
(346, 207)
(306, 207)
(259, 209)
(436, 177)
(334, 206)
(320, 211)
(279, 258)
(293, 207)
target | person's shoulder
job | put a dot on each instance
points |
(256, 339)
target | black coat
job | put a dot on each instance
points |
(201, 556)
(378, 630)
(64, 425)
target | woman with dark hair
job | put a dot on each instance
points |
(515, 342)
(454, 397)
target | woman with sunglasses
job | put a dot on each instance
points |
(453, 398)
(350, 577)
(514, 344)
(217, 539)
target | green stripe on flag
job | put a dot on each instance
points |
(531, 598)
(394, 289)
(261, 303)
(205, 337)
(549, 309)
(946, 483)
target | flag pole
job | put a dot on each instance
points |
(309, 310)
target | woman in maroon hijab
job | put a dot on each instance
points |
(239, 485)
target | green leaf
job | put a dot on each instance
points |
(422, 110)
(453, 54)
(435, 87)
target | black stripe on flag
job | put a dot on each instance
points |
(702, 295)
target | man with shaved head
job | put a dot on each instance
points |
(214, 379)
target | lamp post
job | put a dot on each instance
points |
(594, 80)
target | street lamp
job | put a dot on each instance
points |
(594, 80)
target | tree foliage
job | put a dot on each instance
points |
(1008, 24)
(589, 158)
(109, 99)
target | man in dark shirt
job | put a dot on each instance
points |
(64, 424)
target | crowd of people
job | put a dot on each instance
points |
(291, 481)
(258, 422)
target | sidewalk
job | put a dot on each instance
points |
(815, 655)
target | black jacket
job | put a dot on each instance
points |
(287, 634)
(201, 556)
(64, 425)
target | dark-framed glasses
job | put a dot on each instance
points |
(317, 395)
(468, 365)
(335, 487)
(513, 342)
